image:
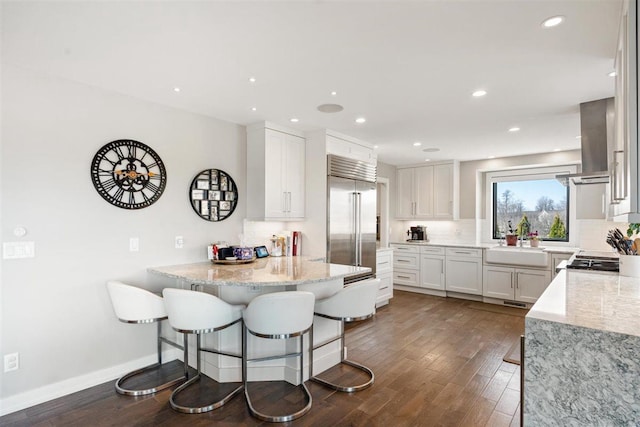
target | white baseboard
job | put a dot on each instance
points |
(53, 391)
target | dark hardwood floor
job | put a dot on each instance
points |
(438, 362)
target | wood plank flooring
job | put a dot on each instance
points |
(437, 361)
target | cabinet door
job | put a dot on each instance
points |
(464, 275)
(530, 284)
(404, 195)
(294, 176)
(557, 259)
(385, 291)
(432, 272)
(275, 176)
(423, 184)
(497, 282)
(443, 191)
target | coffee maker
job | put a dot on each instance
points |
(418, 233)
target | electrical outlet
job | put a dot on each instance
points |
(134, 244)
(11, 362)
(179, 242)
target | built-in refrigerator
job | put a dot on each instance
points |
(351, 214)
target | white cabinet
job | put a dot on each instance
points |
(406, 265)
(432, 268)
(514, 284)
(464, 270)
(384, 272)
(351, 148)
(275, 173)
(428, 192)
(623, 157)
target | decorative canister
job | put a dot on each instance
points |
(630, 265)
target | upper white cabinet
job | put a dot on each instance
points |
(275, 172)
(428, 192)
(623, 156)
(349, 147)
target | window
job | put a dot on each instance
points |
(534, 197)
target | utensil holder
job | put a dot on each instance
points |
(630, 265)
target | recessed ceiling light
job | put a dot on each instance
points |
(612, 74)
(330, 108)
(252, 79)
(334, 93)
(479, 93)
(514, 129)
(294, 120)
(491, 157)
(557, 149)
(375, 146)
(579, 137)
(427, 160)
(254, 109)
(431, 150)
(417, 144)
(176, 89)
(553, 21)
(361, 120)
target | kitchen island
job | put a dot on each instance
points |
(582, 352)
(238, 284)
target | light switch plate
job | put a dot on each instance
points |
(134, 244)
(179, 242)
(17, 250)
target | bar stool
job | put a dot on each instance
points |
(192, 312)
(353, 303)
(278, 315)
(136, 305)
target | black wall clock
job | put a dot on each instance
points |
(213, 195)
(128, 174)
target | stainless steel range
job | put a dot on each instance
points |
(595, 261)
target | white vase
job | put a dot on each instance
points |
(630, 265)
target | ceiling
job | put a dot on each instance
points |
(409, 68)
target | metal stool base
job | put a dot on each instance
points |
(200, 409)
(131, 392)
(280, 418)
(348, 389)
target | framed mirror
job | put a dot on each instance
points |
(213, 195)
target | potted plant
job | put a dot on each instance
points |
(512, 238)
(534, 240)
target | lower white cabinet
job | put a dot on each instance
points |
(406, 265)
(432, 268)
(515, 284)
(384, 272)
(464, 271)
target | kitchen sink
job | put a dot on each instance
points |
(515, 255)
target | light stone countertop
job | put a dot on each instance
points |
(269, 271)
(601, 301)
(554, 249)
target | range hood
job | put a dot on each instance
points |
(596, 128)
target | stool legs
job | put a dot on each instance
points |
(275, 418)
(338, 387)
(137, 392)
(198, 409)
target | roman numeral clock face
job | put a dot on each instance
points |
(128, 174)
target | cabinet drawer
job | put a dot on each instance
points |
(432, 250)
(384, 260)
(406, 261)
(385, 291)
(405, 248)
(465, 252)
(406, 277)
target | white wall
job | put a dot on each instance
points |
(55, 309)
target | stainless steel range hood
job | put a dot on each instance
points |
(596, 128)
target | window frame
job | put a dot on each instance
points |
(531, 173)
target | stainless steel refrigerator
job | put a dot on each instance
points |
(351, 214)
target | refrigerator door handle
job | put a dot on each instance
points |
(359, 247)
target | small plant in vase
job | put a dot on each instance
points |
(534, 240)
(512, 238)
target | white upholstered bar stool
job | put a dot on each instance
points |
(278, 315)
(192, 312)
(135, 305)
(353, 303)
